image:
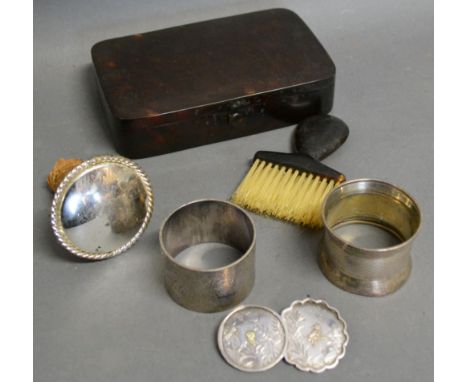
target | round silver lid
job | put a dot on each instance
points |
(317, 335)
(252, 338)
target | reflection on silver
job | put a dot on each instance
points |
(102, 207)
(317, 336)
(252, 338)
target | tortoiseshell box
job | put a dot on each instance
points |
(210, 81)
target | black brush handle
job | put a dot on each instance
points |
(301, 162)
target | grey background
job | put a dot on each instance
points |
(112, 320)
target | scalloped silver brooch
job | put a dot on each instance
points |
(317, 335)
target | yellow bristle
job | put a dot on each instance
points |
(284, 193)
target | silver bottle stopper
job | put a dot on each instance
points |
(102, 207)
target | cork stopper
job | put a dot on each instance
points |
(61, 168)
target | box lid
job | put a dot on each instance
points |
(209, 62)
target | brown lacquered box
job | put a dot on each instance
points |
(210, 81)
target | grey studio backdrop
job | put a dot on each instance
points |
(113, 320)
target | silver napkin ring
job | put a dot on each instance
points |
(194, 240)
(369, 228)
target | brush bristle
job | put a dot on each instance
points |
(284, 193)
